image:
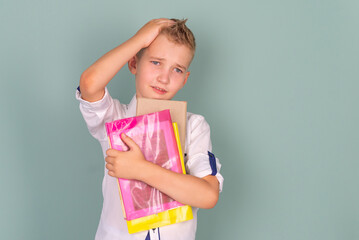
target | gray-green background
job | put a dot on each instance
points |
(276, 80)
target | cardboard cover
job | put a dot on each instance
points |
(178, 110)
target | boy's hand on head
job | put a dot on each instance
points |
(129, 164)
(150, 30)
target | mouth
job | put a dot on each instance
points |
(159, 90)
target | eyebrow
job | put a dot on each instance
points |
(183, 67)
(162, 59)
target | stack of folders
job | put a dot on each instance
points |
(145, 207)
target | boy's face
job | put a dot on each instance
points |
(162, 69)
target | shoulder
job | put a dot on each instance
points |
(96, 114)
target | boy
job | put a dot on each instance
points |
(159, 55)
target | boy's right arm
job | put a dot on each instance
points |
(94, 79)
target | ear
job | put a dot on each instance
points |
(186, 77)
(132, 65)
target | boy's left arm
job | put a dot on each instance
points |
(187, 189)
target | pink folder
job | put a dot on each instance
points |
(154, 135)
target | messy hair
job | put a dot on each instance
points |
(178, 33)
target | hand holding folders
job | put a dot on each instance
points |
(125, 164)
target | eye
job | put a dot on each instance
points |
(155, 63)
(178, 70)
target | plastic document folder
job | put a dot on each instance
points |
(155, 136)
(168, 217)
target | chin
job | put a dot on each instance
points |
(153, 95)
(161, 98)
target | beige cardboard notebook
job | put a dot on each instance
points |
(178, 110)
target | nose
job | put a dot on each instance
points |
(164, 77)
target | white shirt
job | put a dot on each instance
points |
(112, 224)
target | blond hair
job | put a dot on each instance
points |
(178, 33)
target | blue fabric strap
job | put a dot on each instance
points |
(148, 236)
(212, 162)
(78, 88)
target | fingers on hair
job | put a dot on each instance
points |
(180, 33)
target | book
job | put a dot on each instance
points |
(178, 111)
(155, 136)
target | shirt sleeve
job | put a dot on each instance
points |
(200, 161)
(96, 114)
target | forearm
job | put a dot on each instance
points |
(187, 189)
(94, 79)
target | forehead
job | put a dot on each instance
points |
(170, 51)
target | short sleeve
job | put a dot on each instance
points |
(96, 114)
(201, 161)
